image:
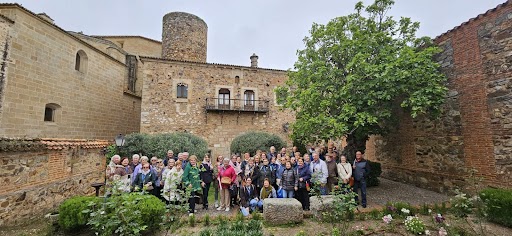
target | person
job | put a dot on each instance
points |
(170, 155)
(283, 152)
(206, 175)
(185, 160)
(267, 191)
(154, 161)
(332, 170)
(120, 169)
(124, 173)
(257, 160)
(251, 171)
(192, 180)
(172, 184)
(344, 171)
(236, 185)
(271, 154)
(248, 195)
(143, 160)
(216, 183)
(159, 169)
(361, 170)
(289, 181)
(294, 151)
(304, 175)
(135, 161)
(319, 173)
(115, 160)
(145, 179)
(307, 159)
(125, 162)
(247, 156)
(227, 176)
(170, 165)
(266, 173)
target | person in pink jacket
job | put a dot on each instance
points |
(227, 173)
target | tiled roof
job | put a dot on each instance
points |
(36, 144)
(473, 19)
(125, 36)
(209, 63)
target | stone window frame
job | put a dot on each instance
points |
(275, 98)
(54, 117)
(174, 89)
(231, 94)
(256, 97)
(184, 94)
(81, 61)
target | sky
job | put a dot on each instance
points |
(273, 29)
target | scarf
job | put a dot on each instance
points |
(208, 164)
(265, 192)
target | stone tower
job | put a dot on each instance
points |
(184, 37)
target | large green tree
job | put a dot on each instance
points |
(357, 71)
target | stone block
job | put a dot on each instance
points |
(278, 211)
(319, 205)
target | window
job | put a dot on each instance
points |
(81, 61)
(237, 79)
(50, 112)
(224, 98)
(182, 90)
(249, 98)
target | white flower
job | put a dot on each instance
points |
(427, 232)
(388, 218)
(102, 212)
(406, 211)
(429, 211)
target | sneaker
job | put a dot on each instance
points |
(227, 208)
(219, 208)
(216, 205)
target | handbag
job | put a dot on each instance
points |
(308, 187)
(225, 180)
(351, 179)
(280, 192)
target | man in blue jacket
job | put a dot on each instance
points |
(361, 172)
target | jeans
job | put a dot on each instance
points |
(206, 189)
(253, 204)
(287, 193)
(323, 190)
(360, 185)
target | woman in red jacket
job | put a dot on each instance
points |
(227, 177)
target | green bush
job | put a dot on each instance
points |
(158, 144)
(71, 216)
(127, 214)
(498, 203)
(252, 141)
(373, 178)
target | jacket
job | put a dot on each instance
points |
(227, 172)
(272, 194)
(191, 177)
(305, 174)
(246, 194)
(266, 172)
(319, 172)
(344, 170)
(289, 180)
(141, 180)
(172, 185)
(206, 173)
(361, 170)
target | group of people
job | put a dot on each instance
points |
(244, 181)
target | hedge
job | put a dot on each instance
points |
(71, 217)
(158, 144)
(252, 141)
(498, 204)
(375, 171)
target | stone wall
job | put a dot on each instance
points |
(162, 112)
(5, 28)
(41, 70)
(38, 174)
(474, 132)
(184, 37)
(137, 45)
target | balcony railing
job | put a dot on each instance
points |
(241, 105)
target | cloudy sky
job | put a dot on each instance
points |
(273, 29)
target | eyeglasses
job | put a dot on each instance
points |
(159, 162)
(145, 167)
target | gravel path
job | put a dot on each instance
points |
(391, 191)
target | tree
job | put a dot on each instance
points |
(356, 72)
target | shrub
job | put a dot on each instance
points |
(498, 203)
(414, 225)
(71, 216)
(158, 144)
(127, 214)
(461, 205)
(252, 141)
(373, 177)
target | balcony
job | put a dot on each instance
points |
(238, 105)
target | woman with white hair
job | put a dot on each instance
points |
(115, 160)
(143, 160)
(227, 176)
(172, 183)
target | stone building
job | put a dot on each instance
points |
(475, 130)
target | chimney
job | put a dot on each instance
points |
(45, 17)
(254, 60)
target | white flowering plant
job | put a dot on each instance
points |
(387, 218)
(461, 204)
(414, 225)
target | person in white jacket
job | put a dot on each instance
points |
(172, 183)
(344, 170)
(319, 173)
